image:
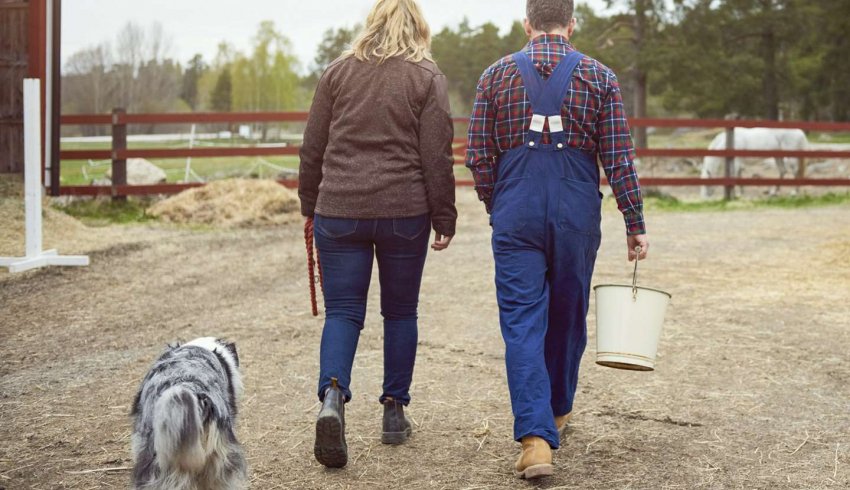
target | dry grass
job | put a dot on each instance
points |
(751, 391)
(231, 203)
(839, 253)
(60, 230)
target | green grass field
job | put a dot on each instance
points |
(655, 201)
(667, 138)
(837, 138)
(80, 172)
(77, 172)
(103, 212)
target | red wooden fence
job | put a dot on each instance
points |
(119, 153)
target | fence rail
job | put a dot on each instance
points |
(119, 153)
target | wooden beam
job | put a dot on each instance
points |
(56, 99)
(14, 6)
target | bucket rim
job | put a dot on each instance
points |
(631, 287)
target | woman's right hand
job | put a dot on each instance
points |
(441, 242)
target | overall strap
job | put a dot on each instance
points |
(558, 85)
(531, 80)
(547, 97)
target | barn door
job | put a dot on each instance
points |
(13, 68)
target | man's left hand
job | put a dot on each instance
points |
(635, 241)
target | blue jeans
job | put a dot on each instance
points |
(347, 248)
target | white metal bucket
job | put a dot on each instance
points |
(628, 325)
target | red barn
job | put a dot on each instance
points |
(22, 55)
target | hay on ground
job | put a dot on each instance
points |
(231, 203)
(59, 228)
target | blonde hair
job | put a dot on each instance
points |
(394, 28)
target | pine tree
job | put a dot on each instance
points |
(222, 95)
(191, 77)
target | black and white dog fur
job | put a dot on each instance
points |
(185, 411)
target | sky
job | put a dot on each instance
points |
(198, 26)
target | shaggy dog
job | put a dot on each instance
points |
(185, 411)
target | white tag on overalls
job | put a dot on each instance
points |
(537, 123)
(555, 124)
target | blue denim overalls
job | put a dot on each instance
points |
(546, 232)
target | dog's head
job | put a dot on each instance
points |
(227, 354)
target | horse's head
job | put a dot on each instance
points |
(710, 168)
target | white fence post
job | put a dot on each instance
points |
(33, 189)
(32, 168)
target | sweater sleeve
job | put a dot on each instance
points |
(313, 148)
(436, 135)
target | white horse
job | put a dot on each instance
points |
(755, 139)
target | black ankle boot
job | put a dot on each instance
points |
(331, 449)
(397, 428)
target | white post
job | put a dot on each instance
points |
(33, 189)
(189, 160)
(32, 166)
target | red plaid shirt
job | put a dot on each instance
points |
(594, 120)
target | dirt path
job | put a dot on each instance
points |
(752, 390)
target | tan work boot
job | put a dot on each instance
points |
(561, 423)
(535, 460)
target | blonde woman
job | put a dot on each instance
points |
(376, 176)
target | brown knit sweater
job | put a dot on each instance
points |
(378, 144)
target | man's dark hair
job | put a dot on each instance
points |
(548, 15)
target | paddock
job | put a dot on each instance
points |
(752, 388)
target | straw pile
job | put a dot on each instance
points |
(231, 203)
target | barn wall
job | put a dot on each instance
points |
(14, 48)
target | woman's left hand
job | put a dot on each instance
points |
(441, 242)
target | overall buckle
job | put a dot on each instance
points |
(537, 123)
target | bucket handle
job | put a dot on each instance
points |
(634, 276)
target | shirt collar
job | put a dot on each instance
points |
(550, 39)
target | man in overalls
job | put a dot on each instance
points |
(542, 120)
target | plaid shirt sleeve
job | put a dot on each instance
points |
(617, 154)
(482, 150)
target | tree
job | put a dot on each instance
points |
(638, 29)
(835, 70)
(147, 79)
(91, 66)
(158, 87)
(813, 62)
(705, 58)
(222, 95)
(641, 26)
(209, 78)
(191, 80)
(742, 64)
(89, 85)
(267, 81)
(764, 28)
(515, 39)
(609, 40)
(129, 55)
(334, 43)
(464, 53)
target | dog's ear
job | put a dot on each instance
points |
(231, 347)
